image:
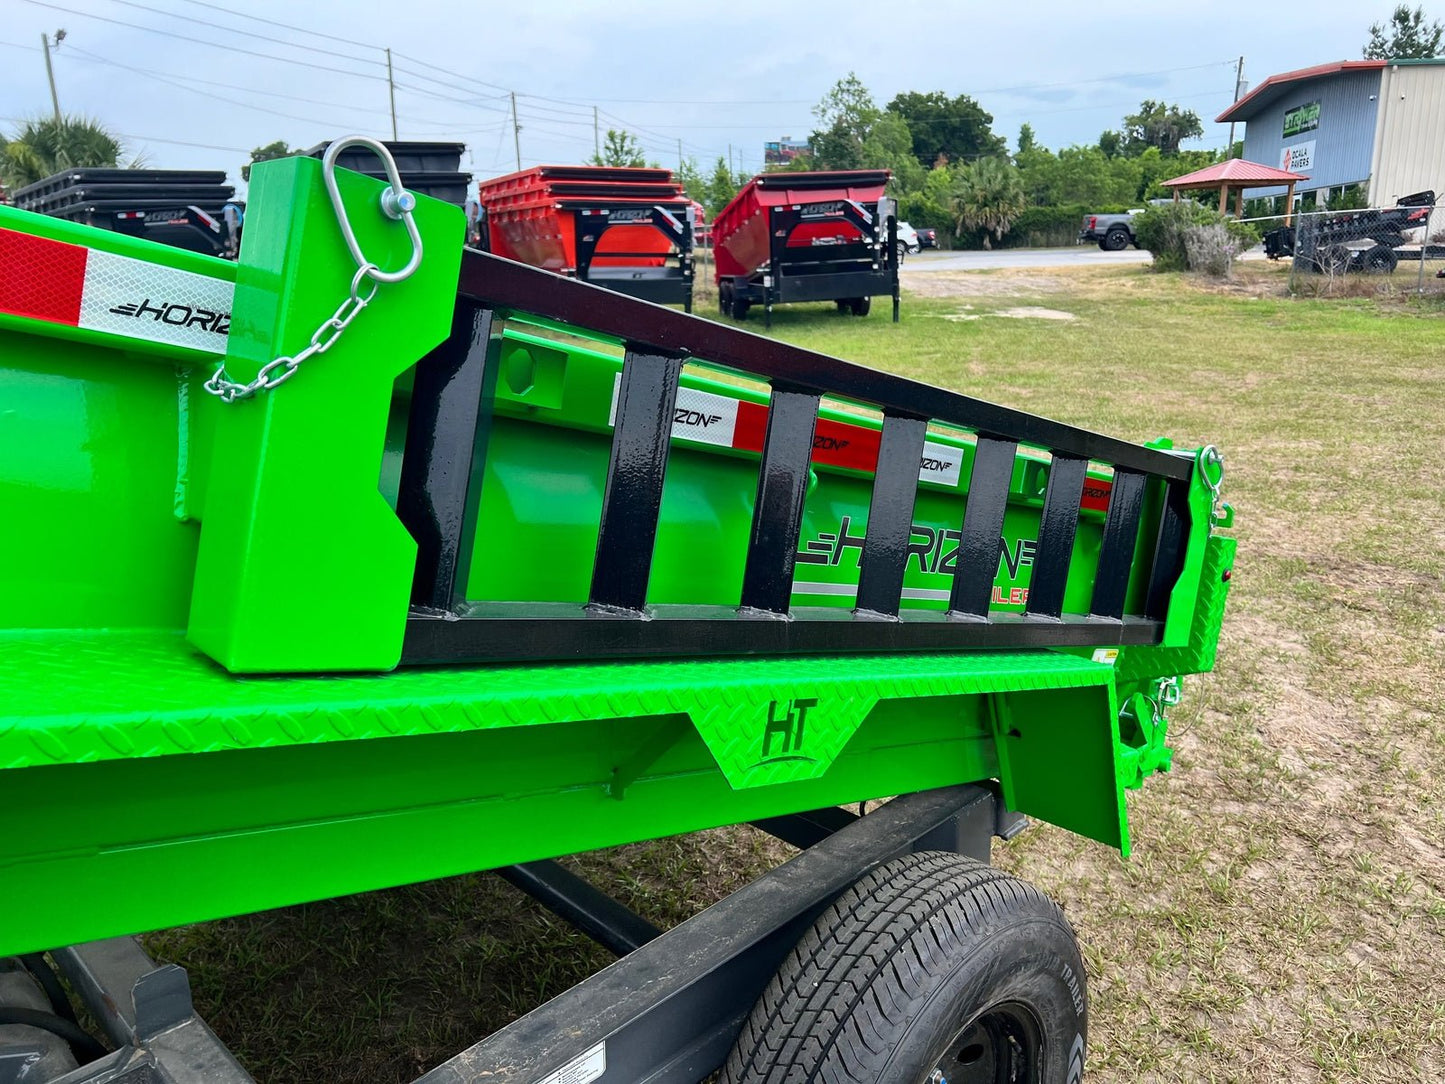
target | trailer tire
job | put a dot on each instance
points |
(930, 967)
(860, 306)
(725, 297)
(1381, 260)
(740, 309)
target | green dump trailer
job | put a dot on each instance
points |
(368, 560)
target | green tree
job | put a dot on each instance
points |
(1407, 36)
(1159, 124)
(721, 187)
(692, 180)
(947, 129)
(988, 195)
(41, 148)
(845, 115)
(1111, 142)
(270, 151)
(1027, 140)
(619, 149)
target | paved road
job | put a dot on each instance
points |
(1077, 256)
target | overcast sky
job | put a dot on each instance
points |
(713, 75)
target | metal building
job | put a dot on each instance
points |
(1376, 123)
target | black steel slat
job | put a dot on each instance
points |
(778, 511)
(632, 500)
(976, 565)
(1058, 524)
(451, 412)
(890, 515)
(1116, 553)
(1168, 549)
(516, 287)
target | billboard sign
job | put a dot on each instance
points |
(1301, 119)
(1298, 157)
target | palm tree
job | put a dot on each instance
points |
(44, 147)
(988, 195)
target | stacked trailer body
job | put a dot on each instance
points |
(724, 595)
(628, 229)
(182, 208)
(823, 236)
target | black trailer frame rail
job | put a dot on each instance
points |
(439, 492)
(666, 1013)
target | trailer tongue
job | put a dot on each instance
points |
(273, 526)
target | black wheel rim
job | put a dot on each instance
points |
(1001, 1046)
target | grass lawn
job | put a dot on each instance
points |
(1283, 916)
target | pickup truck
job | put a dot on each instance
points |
(1113, 232)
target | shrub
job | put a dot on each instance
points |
(1164, 230)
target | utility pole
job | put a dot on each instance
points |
(679, 155)
(596, 137)
(730, 161)
(50, 72)
(1238, 82)
(516, 130)
(391, 90)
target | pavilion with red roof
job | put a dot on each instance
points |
(1237, 175)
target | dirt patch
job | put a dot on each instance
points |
(1021, 312)
(1005, 282)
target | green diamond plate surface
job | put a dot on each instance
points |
(78, 697)
(1197, 657)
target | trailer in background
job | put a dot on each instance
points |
(628, 229)
(823, 236)
(183, 208)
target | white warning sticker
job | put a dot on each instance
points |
(142, 300)
(582, 1070)
(940, 464)
(699, 416)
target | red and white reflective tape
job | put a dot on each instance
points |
(704, 417)
(75, 286)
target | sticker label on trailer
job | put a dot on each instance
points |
(698, 416)
(582, 1070)
(75, 286)
(704, 417)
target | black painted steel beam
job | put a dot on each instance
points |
(632, 499)
(1168, 549)
(516, 287)
(778, 511)
(1058, 524)
(976, 565)
(1116, 554)
(583, 905)
(890, 515)
(451, 411)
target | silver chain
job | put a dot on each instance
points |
(397, 204)
(275, 373)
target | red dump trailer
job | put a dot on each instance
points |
(823, 236)
(628, 229)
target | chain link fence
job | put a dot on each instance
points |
(1330, 250)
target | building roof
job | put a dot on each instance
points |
(1237, 173)
(1277, 85)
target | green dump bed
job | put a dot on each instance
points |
(518, 567)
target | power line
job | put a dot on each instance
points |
(202, 41)
(286, 26)
(161, 78)
(250, 34)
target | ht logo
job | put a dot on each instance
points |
(787, 728)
